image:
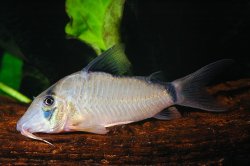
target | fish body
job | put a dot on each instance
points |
(106, 100)
(91, 100)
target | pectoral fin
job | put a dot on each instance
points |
(97, 129)
(168, 114)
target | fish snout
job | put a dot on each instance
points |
(29, 125)
(20, 125)
(27, 133)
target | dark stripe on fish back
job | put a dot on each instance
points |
(171, 90)
(169, 87)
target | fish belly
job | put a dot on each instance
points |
(108, 100)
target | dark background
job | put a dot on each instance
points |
(176, 37)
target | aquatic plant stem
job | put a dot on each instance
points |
(13, 93)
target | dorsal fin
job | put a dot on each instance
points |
(113, 61)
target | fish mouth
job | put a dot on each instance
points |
(28, 134)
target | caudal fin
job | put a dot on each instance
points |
(190, 90)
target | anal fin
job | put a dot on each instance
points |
(168, 114)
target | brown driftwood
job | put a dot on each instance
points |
(196, 139)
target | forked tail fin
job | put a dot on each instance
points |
(190, 90)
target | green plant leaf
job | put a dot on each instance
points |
(111, 26)
(11, 77)
(95, 22)
(11, 70)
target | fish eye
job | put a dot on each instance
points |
(48, 101)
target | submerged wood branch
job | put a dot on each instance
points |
(197, 138)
